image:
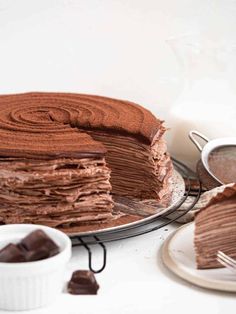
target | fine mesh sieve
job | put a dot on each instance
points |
(220, 153)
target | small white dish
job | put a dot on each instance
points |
(30, 285)
(179, 256)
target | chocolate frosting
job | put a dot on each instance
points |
(47, 125)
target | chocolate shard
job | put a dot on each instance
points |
(12, 254)
(83, 282)
(39, 246)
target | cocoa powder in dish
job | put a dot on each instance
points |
(222, 163)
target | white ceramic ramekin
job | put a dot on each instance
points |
(25, 286)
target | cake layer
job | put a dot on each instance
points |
(55, 192)
(138, 169)
(215, 229)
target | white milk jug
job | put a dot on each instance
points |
(208, 101)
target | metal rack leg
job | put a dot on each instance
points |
(104, 250)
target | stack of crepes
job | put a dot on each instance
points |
(55, 192)
(52, 157)
(215, 228)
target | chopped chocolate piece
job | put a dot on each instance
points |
(34, 247)
(83, 282)
(39, 246)
(12, 254)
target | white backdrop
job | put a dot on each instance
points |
(115, 48)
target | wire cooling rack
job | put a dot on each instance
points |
(142, 227)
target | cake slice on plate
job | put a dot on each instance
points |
(215, 228)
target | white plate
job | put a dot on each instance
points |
(178, 255)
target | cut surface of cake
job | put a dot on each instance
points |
(61, 155)
(55, 192)
(215, 229)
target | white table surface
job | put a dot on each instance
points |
(136, 282)
(115, 48)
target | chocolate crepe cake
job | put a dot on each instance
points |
(52, 157)
(215, 229)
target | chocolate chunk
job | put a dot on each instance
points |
(39, 246)
(36, 246)
(83, 282)
(12, 254)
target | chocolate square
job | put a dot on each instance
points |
(12, 254)
(39, 246)
(83, 282)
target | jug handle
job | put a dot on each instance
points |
(192, 135)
